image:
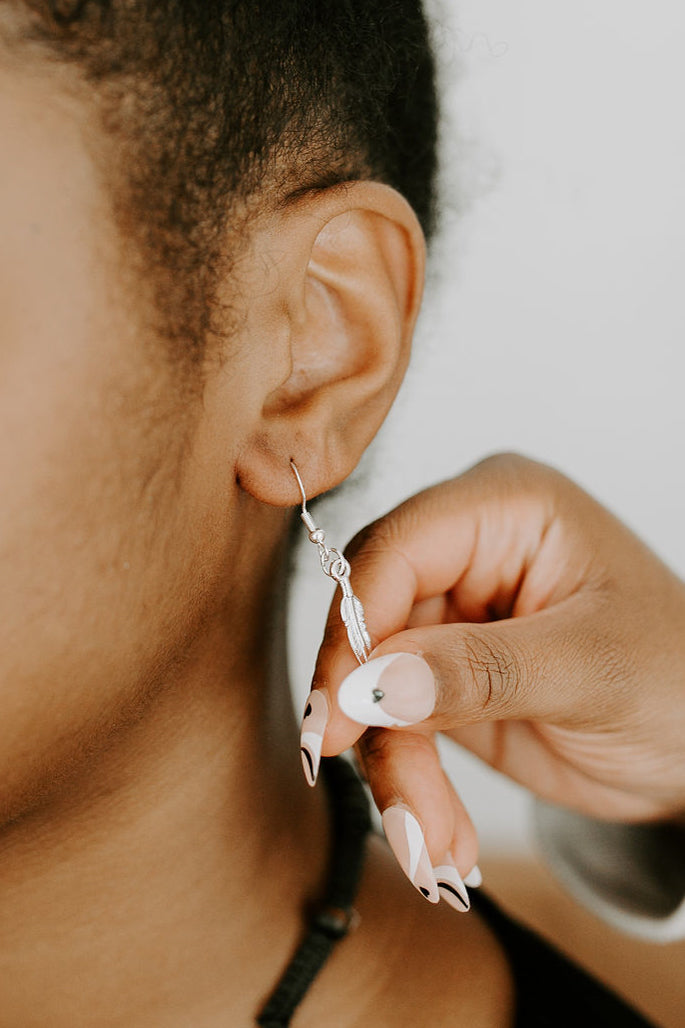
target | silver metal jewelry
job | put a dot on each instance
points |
(337, 567)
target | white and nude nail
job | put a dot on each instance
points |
(405, 836)
(389, 692)
(474, 879)
(314, 724)
(451, 886)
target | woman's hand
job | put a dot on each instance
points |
(545, 637)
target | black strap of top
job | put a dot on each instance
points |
(332, 920)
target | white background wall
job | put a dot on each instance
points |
(554, 321)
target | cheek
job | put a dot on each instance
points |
(96, 565)
(97, 551)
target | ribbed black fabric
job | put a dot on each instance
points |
(350, 825)
(551, 991)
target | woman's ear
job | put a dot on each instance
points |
(346, 270)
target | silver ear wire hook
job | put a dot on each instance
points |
(337, 567)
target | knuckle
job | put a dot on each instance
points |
(374, 746)
(494, 672)
(363, 538)
(388, 533)
(368, 547)
(507, 463)
(613, 667)
(516, 471)
(370, 541)
(376, 552)
(503, 459)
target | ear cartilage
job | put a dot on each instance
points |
(337, 567)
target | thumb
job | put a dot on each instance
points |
(535, 667)
(491, 543)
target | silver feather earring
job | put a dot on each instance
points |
(337, 567)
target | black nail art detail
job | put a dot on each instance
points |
(378, 695)
(308, 710)
(309, 760)
(453, 891)
(424, 892)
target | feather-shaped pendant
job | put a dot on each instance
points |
(352, 614)
(335, 565)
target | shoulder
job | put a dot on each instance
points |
(410, 962)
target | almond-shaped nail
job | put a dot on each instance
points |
(474, 879)
(450, 885)
(405, 836)
(390, 692)
(313, 727)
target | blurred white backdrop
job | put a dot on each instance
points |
(553, 322)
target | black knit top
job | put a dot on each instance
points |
(551, 990)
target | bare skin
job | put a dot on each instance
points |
(556, 643)
(157, 842)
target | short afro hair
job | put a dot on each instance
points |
(212, 104)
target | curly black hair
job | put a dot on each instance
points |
(213, 103)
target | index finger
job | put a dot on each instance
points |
(386, 611)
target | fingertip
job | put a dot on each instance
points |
(314, 721)
(341, 732)
(464, 842)
(404, 767)
(390, 690)
(451, 886)
(474, 879)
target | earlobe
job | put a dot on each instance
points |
(351, 289)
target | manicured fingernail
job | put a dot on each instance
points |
(450, 885)
(474, 878)
(390, 691)
(313, 727)
(405, 836)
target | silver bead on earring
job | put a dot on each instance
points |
(338, 568)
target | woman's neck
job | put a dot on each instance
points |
(169, 887)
